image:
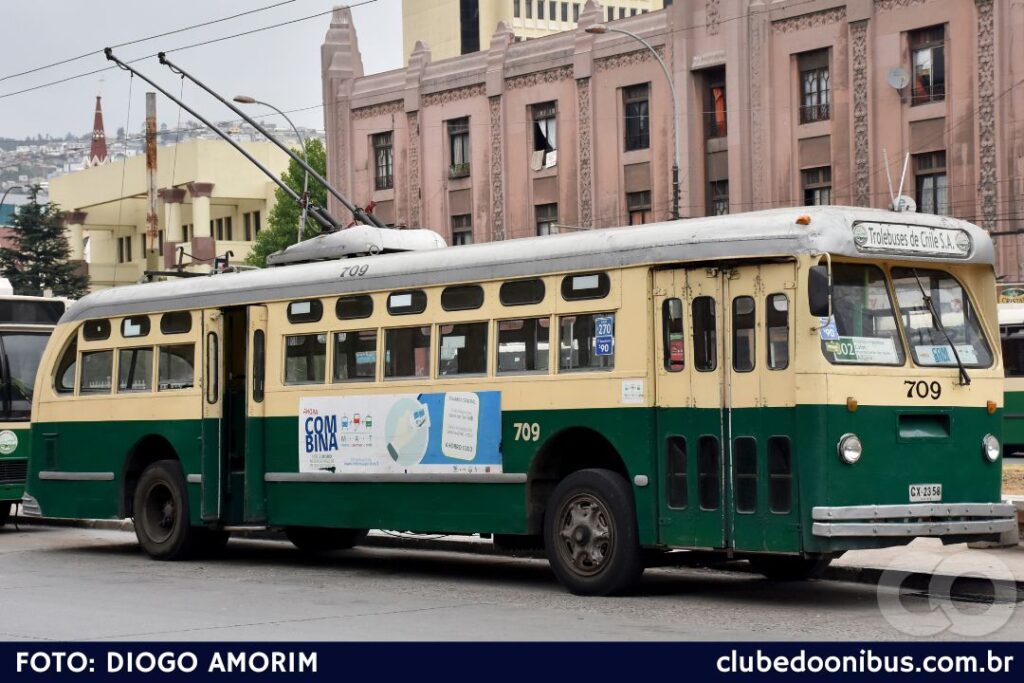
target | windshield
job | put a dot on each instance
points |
(21, 352)
(928, 345)
(863, 329)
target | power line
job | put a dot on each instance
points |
(68, 60)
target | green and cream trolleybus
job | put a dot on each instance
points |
(776, 386)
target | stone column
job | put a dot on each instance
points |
(173, 236)
(73, 223)
(203, 247)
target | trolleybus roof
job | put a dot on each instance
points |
(754, 234)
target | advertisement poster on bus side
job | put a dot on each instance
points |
(452, 432)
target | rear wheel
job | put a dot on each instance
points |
(5, 513)
(590, 534)
(311, 539)
(162, 515)
(786, 568)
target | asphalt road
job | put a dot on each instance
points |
(87, 584)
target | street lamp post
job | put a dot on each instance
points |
(604, 28)
(3, 197)
(245, 99)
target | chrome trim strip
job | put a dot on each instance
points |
(866, 512)
(867, 529)
(194, 479)
(76, 476)
(397, 478)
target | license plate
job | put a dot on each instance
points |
(925, 493)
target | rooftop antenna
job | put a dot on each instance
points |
(321, 216)
(361, 215)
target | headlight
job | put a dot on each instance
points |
(849, 448)
(990, 447)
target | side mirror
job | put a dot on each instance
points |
(819, 293)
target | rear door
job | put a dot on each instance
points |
(255, 459)
(213, 388)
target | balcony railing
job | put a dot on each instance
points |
(458, 170)
(814, 112)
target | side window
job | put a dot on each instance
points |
(176, 367)
(521, 292)
(587, 286)
(354, 307)
(707, 473)
(64, 381)
(523, 345)
(743, 339)
(462, 297)
(777, 319)
(407, 303)
(745, 471)
(355, 356)
(672, 331)
(259, 364)
(675, 465)
(97, 367)
(135, 369)
(305, 358)
(308, 311)
(177, 322)
(463, 349)
(705, 345)
(586, 341)
(96, 330)
(212, 368)
(407, 352)
(780, 474)
(136, 326)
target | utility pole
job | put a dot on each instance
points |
(152, 254)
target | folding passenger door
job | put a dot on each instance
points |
(213, 466)
(687, 311)
(255, 443)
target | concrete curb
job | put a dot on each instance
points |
(968, 588)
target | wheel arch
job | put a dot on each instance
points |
(146, 451)
(567, 451)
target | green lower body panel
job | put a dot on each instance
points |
(1013, 421)
(753, 488)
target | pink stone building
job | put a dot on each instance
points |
(781, 103)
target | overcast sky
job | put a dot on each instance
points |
(280, 65)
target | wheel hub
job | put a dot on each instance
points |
(587, 534)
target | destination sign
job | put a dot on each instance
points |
(911, 239)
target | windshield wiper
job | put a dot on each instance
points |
(965, 379)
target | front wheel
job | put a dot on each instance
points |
(162, 516)
(313, 540)
(5, 513)
(590, 534)
(788, 568)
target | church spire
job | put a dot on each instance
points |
(98, 148)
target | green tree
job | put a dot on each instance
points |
(38, 257)
(283, 223)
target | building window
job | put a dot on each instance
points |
(458, 147)
(565, 12)
(517, 8)
(610, 12)
(639, 206)
(718, 197)
(540, 9)
(553, 10)
(256, 223)
(384, 162)
(462, 230)
(220, 228)
(932, 188)
(469, 25)
(928, 62)
(814, 86)
(545, 138)
(576, 12)
(247, 226)
(124, 249)
(529, 9)
(817, 184)
(228, 231)
(715, 111)
(547, 219)
(637, 116)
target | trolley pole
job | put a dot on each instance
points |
(152, 221)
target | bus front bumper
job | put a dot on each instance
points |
(916, 519)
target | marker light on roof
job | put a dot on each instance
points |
(803, 220)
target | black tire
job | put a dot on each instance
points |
(162, 514)
(789, 568)
(590, 534)
(5, 512)
(314, 540)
